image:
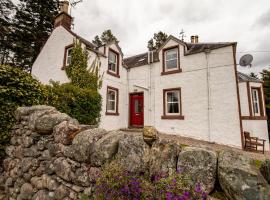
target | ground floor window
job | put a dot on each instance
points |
(112, 101)
(172, 108)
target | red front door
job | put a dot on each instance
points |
(136, 109)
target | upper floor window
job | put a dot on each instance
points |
(171, 59)
(113, 63)
(171, 62)
(256, 101)
(68, 56)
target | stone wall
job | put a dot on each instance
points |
(52, 156)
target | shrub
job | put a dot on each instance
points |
(117, 183)
(84, 104)
(17, 88)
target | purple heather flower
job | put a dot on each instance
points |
(187, 193)
(204, 195)
(168, 196)
(198, 188)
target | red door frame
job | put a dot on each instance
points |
(129, 108)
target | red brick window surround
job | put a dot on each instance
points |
(172, 104)
(113, 63)
(112, 101)
(171, 60)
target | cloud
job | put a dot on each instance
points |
(263, 20)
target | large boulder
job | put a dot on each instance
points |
(46, 123)
(265, 170)
(199, 164)
(163, 156)
(150, 134)
(82, 145)
(65, 132)
(25, 111)
(133, 153)
(239, 179)
(105, 149)
(63, 169)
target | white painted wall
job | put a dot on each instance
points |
(49, 62)
(225, 123)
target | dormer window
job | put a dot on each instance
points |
(113, 63)
(171, 62)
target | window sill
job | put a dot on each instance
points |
(114, 114)
(179, 117)
(113, 74)
(254, 117)
(171, 72)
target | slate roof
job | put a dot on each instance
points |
(142, 59)
(245, 78)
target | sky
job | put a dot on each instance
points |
(135, 21)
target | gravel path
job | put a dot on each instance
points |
(216, 147)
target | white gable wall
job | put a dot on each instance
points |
(49, 62)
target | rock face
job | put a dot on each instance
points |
(239, 179)
(133, 153)
(199, 164)
(265, 170)
(163, 156)
(150, 134)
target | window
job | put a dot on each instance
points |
(171, 63)
(256, 101)
(171, 59)
(172, 104)
(112, 101)
(68, 56)
(113, 63)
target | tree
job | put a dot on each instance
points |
(156, 42)
(266, 88)
(33, 23)
(253, 75)
(6, 8)
(97, 41)
(107, 37)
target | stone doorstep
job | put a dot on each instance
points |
(131, 129)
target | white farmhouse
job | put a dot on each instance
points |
(188, 89)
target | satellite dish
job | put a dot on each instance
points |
(246, 60)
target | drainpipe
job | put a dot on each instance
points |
(127, 98)
(209, 103)
(150, 88)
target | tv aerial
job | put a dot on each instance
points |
(73, 3)
(246, 60)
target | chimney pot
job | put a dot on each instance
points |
(192, 39)
(196, 39)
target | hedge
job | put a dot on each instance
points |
(17, 88)
(84, 104)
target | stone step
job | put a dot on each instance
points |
(131, 129)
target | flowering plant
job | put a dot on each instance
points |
(116, 183)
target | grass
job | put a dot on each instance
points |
(257, 163)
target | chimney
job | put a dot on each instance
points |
(63, 18)
(194, 39)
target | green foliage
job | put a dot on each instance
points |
(156, 42)
(117, 183)
(257, 163)
(31, 26)
(84, 104)
(84, 197)
(253, 75)
(17, 88)
(78, 71)
(97, 41)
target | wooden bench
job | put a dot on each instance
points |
(252, 143)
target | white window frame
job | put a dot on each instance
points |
(68, 57)
(166, 103)
(256, 102)
(110, 61)
(177, 59)
(110, 100)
